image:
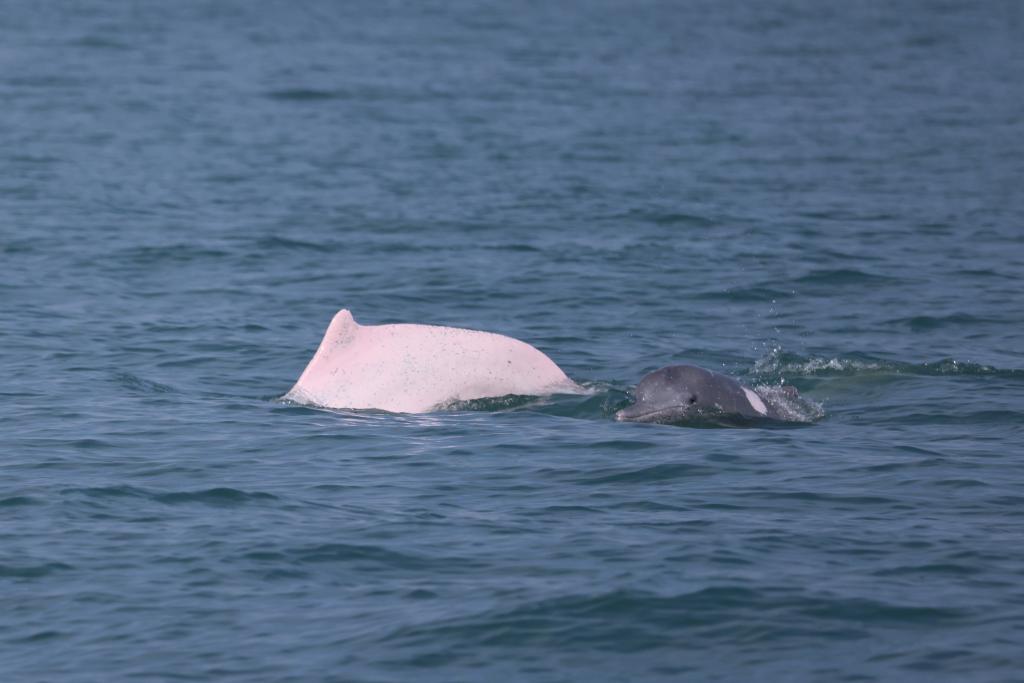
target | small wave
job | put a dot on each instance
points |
(277, 242)
(18, 248)
(925, 323)
(668, 218)
(677, 218)
(171, 253)
(218, 496)
(31, 571)
(984, 272)
(39, 636)
(106, 492)
(837, 500)
(971, 418)
(742, 294)
(930, 569)
(644, 475)
(136, 383)
(18, 501)
(779, 363)
(843, 276)
(582, 621)
(347, 552)
(344, 553)
(514, 247)
(306, 94)
(638, 620)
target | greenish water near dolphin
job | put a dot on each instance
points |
(821, 194)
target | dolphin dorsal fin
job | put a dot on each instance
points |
(340, 333)
(342, 328)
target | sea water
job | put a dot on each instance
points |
(822, 195)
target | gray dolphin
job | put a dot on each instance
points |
(678, 392)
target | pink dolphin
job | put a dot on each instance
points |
(419, 368)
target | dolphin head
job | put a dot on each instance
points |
(669, 394)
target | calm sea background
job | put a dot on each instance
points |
(822, 193)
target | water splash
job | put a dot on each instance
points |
(792, 406)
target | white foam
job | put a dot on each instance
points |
(790, 407)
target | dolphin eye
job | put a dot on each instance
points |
(693, 399)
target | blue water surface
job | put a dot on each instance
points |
(823, 194)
